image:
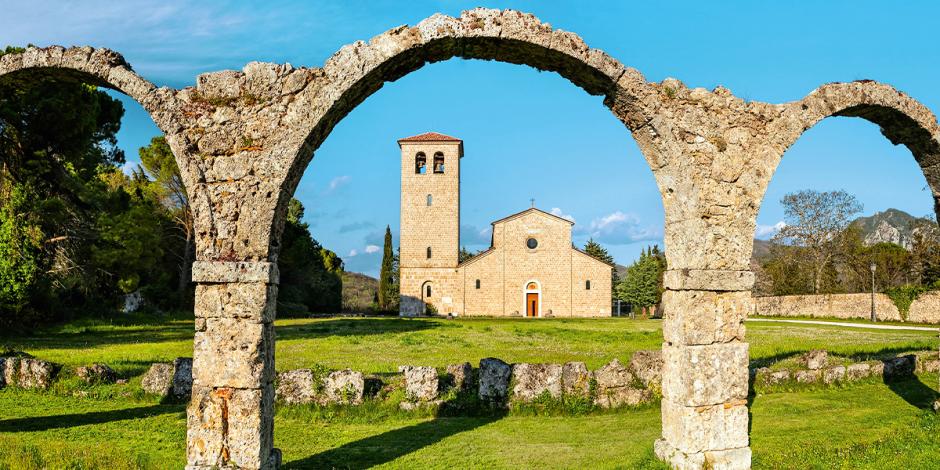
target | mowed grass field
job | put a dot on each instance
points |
(861, 425)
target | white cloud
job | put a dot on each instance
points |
(372, 249)
(766, 231)
(558, 212)
(472, 236)
(353, 253)
(338, 182)
(619, 228)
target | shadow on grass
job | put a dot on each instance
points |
(913, 391)
(43, 423)
(354, 327)
(91, 337)
(390, 445)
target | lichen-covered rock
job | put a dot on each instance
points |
(28, 372)
(532, 380)
(575, 379)
(96, 373)
(622, 396)
(815, 359)
(831, 375)
(611, 375)
(807, 376)
(857, 371)
(767, 376)
(158, 379)
(170, 379)
(616, 387)
(460, 376)
(295, 386)
(648, 367)
(494, 379)
(343, 387)
(421, 383)
(927, 361)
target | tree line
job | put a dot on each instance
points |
(78, 234)
(820, 250)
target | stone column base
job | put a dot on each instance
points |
(730, 459)
(274, 463)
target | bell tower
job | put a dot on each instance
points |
(430, 215)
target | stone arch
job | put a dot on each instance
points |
(901, 119)
(360, 69)
(107, 69)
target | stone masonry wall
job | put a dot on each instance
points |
(925, 308)
(827, 306)
(595, 301)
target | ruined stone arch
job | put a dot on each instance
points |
(360, 69)
(107, 69)
(900, 118)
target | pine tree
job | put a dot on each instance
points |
(387, 284)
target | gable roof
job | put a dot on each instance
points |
(593, 258)
(527, 211)
(430, 137)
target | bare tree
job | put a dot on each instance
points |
(815, 221)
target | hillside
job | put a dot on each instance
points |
(359, 291)
(891, 226)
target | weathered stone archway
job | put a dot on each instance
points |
(243, 139)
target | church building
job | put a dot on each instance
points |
(531, 268)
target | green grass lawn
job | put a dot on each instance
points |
(863, 425)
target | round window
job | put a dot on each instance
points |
(532, 243)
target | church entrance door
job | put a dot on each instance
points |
(532, 304)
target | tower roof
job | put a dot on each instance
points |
(430, 137)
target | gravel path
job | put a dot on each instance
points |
(873, 326)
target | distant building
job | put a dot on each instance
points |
(531, 268)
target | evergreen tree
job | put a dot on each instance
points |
(311, 276)
(599, 252)
(641, 286)
(388, 289)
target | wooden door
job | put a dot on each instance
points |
(532, 304)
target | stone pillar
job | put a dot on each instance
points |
(705, 370)
(230, 420)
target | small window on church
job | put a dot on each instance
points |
(429, 200)
(478, 283)
(421, 163)
(587, 285)
(428, 289)
(429, 252)
(439, 162)
(532, 243)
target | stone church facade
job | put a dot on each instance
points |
(531, 268)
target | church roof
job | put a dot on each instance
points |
(430, 137)
(531, 209)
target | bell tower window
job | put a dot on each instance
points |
(430, 199)
(429, 252)
(439, 163)
(421, 163)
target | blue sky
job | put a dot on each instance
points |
(530, 134)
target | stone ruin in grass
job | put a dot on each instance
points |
(494, 383)
(816, 367)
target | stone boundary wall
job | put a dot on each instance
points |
(831, 306)
(925, 308)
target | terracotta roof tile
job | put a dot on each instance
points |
(430, 137)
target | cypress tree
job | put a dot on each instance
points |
(387, 285)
